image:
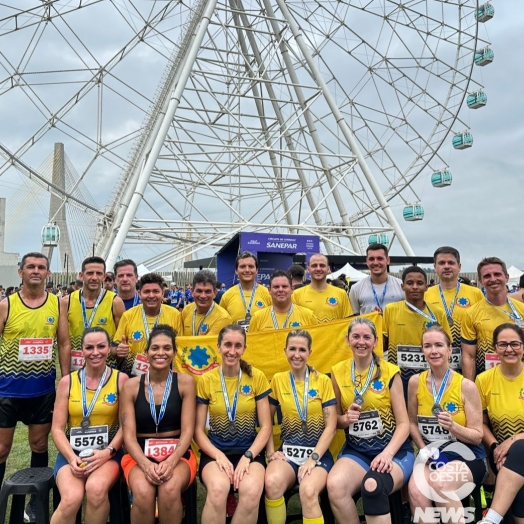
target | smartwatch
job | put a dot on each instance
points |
(112, 451)
(315, 456)
(249, 455)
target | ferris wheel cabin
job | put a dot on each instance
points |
(379, 238)
(485, 12)
(484, 56)
(50, 235)
(413, 212)
(463, 140)
(477, 99)
(441, 178)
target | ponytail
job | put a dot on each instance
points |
(246, 368)
(376, 360)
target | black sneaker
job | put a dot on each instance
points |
(30, 510)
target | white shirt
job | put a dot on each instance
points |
(363, 300)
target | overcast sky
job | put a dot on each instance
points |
(480, 213)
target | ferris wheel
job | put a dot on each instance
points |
(189, 121)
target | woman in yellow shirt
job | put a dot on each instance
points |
(446, 425)
(309, 421)
(85, 423)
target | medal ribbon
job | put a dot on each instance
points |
(231, 411)
(274, 317)
(136, 300)
(377, 301)
(152, 407)
(87, 323)
(438, 396)
(449, 311)
(514, 315)
(431, 317)
(368, 378)
(302, 413)
(85, 410)
(146, 325)
(243, 297)
(196, 332)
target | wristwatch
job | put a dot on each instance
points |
(112, 451)
(249, 455)
(315, 456)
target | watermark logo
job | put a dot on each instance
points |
(457, 475)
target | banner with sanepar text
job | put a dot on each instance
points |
(265, 350)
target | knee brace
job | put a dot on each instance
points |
(376, 502)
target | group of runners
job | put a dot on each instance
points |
(450, 374)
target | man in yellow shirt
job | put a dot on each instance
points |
(327, 302)
(496, 308)
(130, 340)
(204, 316)
(282, 313)
(243, 300)
(454, 297)
(405, 321)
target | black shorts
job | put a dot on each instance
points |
(234, 458)
(34, 410)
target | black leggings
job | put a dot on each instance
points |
(515, 462)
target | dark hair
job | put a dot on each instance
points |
(414, 269)
(162, 329)
(110, 276)
(9, 290)
(511, 327)
(125, 262)
(521, 281)
(338, 283)
(446, 250)
(151, 278)
(437, 328)
(93, 260)
(296, 272)
(96, 329)
(363, 321)
(279, 273)
(376, 247)
(491, 260)
(246, 254)
(303, 334)
(205, 276)
(244, 366)
(33, 254)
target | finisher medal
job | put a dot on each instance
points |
(436, 409)
(450, 321)
(304, 426)
(232, 428)
(248, 318)
(359, 400)
(85, 423)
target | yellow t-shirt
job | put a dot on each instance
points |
(330, 304)
(503, 401)
(466, 298)
(131, 326)
(250, 390)
(451, 400)
(376, 397)
(480, 322)
(404, 327)
(204, 325)
(102, 318)
(232, 302)
(105, 411)
(28, 367)
(300, 317)
(320, 396)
